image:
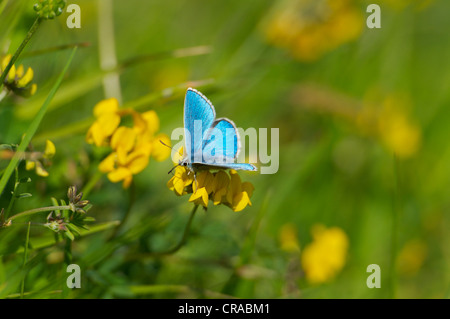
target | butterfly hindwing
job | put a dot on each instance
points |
(222, 142)
(199, 115)
(235, 166)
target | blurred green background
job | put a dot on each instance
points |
(363, 117)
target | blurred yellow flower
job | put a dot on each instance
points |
(18, 81)
(219, 187)
(311, 28)
(131, 147)
(326, 255)
(397, 131)
(37, 160)
(411, 257)
(288, 238)
(392, 125)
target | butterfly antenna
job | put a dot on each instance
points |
(166, 145)
(173, 168)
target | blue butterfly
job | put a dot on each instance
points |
(210, 143)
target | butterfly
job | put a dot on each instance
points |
(210, 143)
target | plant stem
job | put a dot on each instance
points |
(173, 249)
(132, 198)
(25, 254)
(56, 49)
(91, 184)
(13, 198)
(38, 210)
(107, 50)
(16, 55)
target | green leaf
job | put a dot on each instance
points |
(55, 203)
(69, 235)
(33, 128)
(24, 195)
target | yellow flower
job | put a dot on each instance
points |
(238, 195)
(326, 255)
(131, 147)
(202, 187)
(397, 131)
(180, 180)
(288, 238)
(219, 187)
(123, 168)
(107, 121)
(36, 160)
(17, 80)
(310, 28)
(221, 183)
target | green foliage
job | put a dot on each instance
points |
(337, 164)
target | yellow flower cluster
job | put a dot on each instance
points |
(326, 255)
(311, 28)
(133, 146)
(17, 80)
(219, 187)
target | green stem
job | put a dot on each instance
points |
(38, 210)
(173, 249)
(91, 184)
(16, 55)
(68, 252)
(55, 49)
(25, 254)
(13, 198)
(132, 199)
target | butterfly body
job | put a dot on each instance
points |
(210, 143)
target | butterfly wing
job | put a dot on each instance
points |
(222, 147)
(221, 143)
(235, 166)
(199, 115)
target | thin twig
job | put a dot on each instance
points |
(38, 210)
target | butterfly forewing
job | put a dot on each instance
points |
(199, 115)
